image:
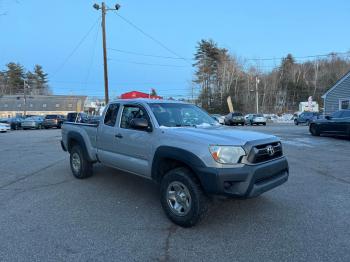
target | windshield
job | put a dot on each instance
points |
(178, 115)
(51, 117)
(259, 115)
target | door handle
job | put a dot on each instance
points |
(118, 136)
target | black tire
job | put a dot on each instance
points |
(198, 200)
(296, 122)
(314, 130)
(83, 168)
(264, 124)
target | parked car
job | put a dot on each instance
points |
(14, 122)
(256, 119)
(306, 118)
(4, 127)
(337, 124)
(235, 118)
(51, 121)
(34, 122)
(81, 117)
(219, 118)
(181, 148)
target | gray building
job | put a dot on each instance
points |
(12, 105)
(338, 96)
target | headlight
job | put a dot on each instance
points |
(226, 154)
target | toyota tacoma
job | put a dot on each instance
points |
(181, 148)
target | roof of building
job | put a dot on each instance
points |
(337, 84)
(137, 94)
(149, 101)
(40, 103)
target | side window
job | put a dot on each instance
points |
(130, 112)
(111, 115)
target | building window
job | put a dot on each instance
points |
(31, 105)
(19, 105)
(70, 105)
(345, 104)
(6, 105)
(44, 105)
(57, 105)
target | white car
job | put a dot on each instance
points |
(256, 119)
(219, 118)
(4, 127)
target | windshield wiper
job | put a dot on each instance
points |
(186, 125)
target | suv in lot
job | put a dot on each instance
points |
(256, 119)
(181, 148)
(235, 118)
(306, 118)
(53, 121)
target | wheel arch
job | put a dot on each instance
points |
(167, 158)
(74, 138)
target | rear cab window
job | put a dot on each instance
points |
(111, 115)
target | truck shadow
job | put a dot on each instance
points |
(137, 192)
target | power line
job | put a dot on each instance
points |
(76, 47)
(141, 54)
(92, 56)
(120, 83)
(152, 38)
(244, 59)
(147, 64)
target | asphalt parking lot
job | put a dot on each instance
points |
(47, 215)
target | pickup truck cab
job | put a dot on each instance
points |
(181, 148)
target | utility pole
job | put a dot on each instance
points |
(25, 86)
(104, 10)
(257, 80)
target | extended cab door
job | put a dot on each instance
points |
(134, 147)
(106, 136)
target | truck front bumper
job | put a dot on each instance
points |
(247, 181)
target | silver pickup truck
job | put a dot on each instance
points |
(180, 147)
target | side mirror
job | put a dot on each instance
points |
(140, 124)
(328, 117)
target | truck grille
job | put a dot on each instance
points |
(265, 152)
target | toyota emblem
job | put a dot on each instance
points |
(270, 150)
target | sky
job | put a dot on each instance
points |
(65, 38)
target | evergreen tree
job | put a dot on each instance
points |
(15, 77)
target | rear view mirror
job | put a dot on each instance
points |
(140, 124)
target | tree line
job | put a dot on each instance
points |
(219, 75)
(15, 80)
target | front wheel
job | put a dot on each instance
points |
(314, 130)
(182, 197)
(80, 166)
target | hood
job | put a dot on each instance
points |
(216, 135)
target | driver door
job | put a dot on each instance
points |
(134, 146)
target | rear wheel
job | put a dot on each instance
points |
(182, 197)
(314, 130)
(296, 122)
(80, 166)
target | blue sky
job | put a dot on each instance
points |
(46, 32)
